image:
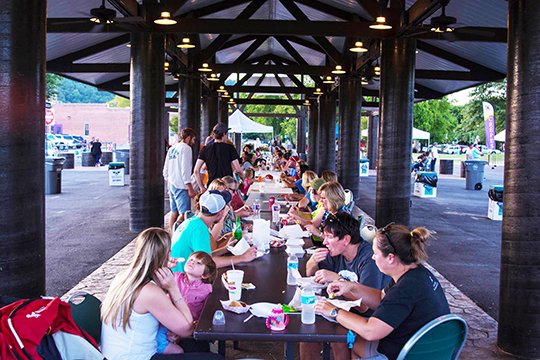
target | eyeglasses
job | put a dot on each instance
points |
(384, 231)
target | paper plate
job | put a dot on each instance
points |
(303, 282)
(262, 309)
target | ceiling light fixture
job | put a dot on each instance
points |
(358, 47)
(102, 15)
(165, 19)
(380, 24)
(306, 102)
(212, 77)
(338, 70)
(364, 81)
(221, 89)
(128, 45)
(186, 44)
(318, 91)
(225, 95)
(166, 65)
(328, 80)
(205, 68)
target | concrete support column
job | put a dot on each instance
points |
(22, 139)
(147, 94)
(301, 131)
(223, 111)
(211, 114)
(373, 139)
(313, 128)
(189, 106)
(394, 155)
(519, 312)
(350, 111)
(327, 133)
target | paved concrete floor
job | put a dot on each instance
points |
(85, 225)
(467, 248)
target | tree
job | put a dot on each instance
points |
(437, 117)
(70, 91)
(119, 102)
(52, 82)
(472, 122)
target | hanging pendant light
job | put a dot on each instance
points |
(165, 19)
(212, 77)
(185, 44)
(338, 70)
(221, 89)
(328, 80)
(205, 68)
(306, 102)
(318, 91)
(358, 47)
(380, 24)
(225, 95)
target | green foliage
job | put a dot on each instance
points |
(70, 91)
(173, 123)
(436, 117)
(119, 102)
(52, 82)
(472, 123)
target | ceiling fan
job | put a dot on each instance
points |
(445, 26)
(103, 15)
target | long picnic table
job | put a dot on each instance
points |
(269, 275)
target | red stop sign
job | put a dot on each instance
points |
(49, 116)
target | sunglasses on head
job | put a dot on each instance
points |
(384, 231)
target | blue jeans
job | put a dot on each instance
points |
(180, 201)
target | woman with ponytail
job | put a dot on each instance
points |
(413, 298)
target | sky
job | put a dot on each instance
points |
(460, 97)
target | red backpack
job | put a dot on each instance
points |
(24, 324)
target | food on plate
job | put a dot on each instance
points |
(269, 177)
(331, 295)
(235, 303)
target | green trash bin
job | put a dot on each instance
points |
(474, 174)
(53, 175)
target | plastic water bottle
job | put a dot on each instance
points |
(308, 305)
(256, 209)
(292, 267)
(275, 213)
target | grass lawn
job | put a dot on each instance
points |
(494, 159)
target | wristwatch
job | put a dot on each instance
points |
(334, 312)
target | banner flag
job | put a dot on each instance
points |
(489, 123)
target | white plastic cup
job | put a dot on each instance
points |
(235, 278)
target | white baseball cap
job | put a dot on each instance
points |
(211, 202)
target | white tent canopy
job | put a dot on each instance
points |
(240, 123)
(416, 134)
(501, 136)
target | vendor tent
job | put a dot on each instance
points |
(501, 136)
(416, 134)
(240, 123)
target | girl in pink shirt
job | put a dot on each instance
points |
(195, 284)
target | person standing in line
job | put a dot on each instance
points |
(96, 152)
(434, 154)
(472, 152)
(177, 173)
(220, 157)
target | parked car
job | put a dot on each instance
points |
(452, 149)
(50, 148)
(485, 150)
(79, 141)
(57, 141)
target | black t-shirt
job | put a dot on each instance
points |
(218, 157)
(416, 299)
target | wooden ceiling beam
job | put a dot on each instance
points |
(92, 50)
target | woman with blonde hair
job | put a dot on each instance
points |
(413, 298)
(140, 298)
(331, 201)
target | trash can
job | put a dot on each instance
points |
(474, 174)
(495, 208)
(364, 167)
(446, 166)
(122, 155)
(106, 157)
(116, 174)
(69, 163)
(88, 159)
(53, 174)
(425, 184)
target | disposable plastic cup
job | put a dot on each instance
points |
(235, 278)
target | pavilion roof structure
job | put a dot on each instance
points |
(281, 46)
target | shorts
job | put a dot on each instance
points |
(161, 339)
(180, 200)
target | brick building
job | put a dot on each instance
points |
(110, 125)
